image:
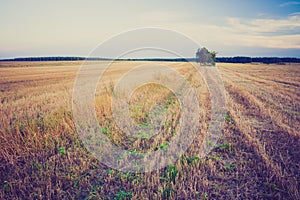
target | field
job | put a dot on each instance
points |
(256, 157)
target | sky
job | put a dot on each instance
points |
(75, 28)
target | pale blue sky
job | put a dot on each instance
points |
(67, 28)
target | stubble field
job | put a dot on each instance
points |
(256, 157)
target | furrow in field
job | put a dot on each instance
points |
(281, 158)
(286, 89)
(283, 79)
(285, 116)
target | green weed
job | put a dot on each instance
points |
(122, 194)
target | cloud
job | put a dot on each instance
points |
(259, 26)
(266, 33)
(263, 31)
(295, 13)
(289, 3)
(271, 33)
(281, 41)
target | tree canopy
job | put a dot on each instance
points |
(205, 57)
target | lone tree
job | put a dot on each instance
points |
(205, 57)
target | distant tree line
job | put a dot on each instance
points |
(266, 60)
(47, 59)
(57, 58)
(209, 59)
(97, 58)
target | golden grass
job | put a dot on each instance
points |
(257, 157)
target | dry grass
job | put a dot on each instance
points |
(257, 156)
